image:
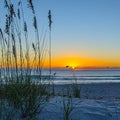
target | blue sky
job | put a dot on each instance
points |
(85, 28)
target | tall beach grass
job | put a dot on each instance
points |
(18, 89)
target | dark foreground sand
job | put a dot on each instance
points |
(98, 102)
(93, 91)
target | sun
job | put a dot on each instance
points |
(68, 62)
(72, 65)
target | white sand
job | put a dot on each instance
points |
(97, 102)
(93, 91)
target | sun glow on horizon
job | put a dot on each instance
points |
(63, 62)
(76, 63)
(73, 63)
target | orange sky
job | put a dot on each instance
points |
(75, 62)
(81, 62)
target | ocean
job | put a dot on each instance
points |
(68, 76)
(62, 76)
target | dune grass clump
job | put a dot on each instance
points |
(67, 102)
(27, 98)
(23, 98)
(76, 90)
(67, 107)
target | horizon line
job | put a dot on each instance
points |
(87, 68)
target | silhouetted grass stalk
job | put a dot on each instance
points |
(67, 107)
(75, 87)
(22, 94)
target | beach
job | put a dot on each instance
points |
(96, 102)
(93, 90)
(88, 95)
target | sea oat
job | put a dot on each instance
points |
(35, 22)
(50, 19)
(30, 4)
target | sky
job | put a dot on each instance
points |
(84, 32)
